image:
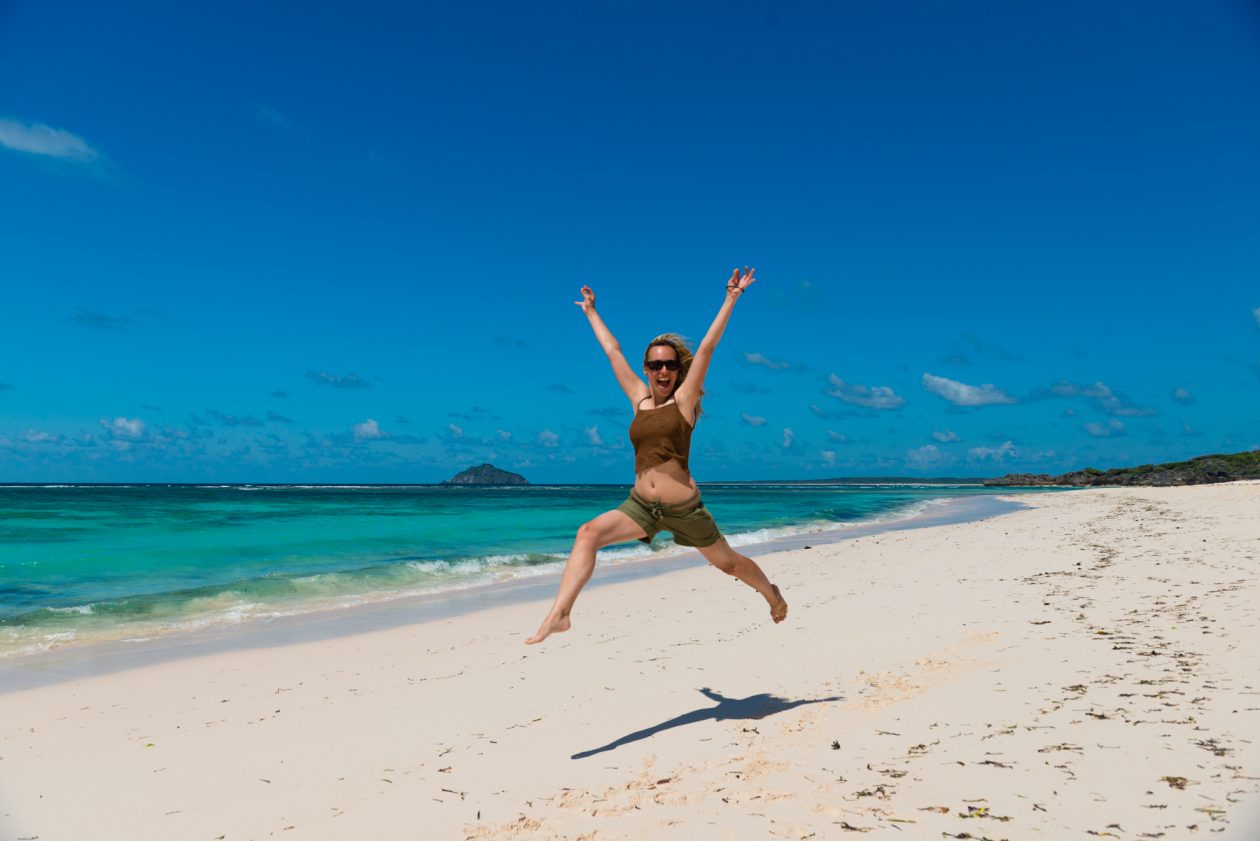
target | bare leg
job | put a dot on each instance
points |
(606, 529)
(722, 556)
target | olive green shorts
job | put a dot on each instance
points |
(690, 522)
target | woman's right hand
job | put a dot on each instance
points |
(588, 300)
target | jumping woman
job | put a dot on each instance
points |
(664, 496)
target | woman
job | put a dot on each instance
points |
(664, 497)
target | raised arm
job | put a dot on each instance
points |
(630, 383)
(689, 391)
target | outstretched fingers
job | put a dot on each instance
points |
(741, 281)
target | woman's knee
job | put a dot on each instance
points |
(594, 534)
(588, 532)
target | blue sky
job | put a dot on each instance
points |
(331, 243)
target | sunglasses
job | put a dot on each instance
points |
(658, 364)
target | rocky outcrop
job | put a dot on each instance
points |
(1197, 471)
(486, 474)
(1022, 480)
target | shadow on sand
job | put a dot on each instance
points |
(727, 709)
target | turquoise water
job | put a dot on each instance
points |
(86, 563)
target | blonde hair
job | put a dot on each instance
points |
(683, 355)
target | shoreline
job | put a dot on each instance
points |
(1082, 666)
(92, 658)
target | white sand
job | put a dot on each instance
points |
(1088, 666)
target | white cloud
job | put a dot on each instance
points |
(38, 436)
(39, 139)
(829, 458)
(548, 438)
(369, 430)
(997, 454)
(1185, 398)
(758, 359)
(1063, 388)
(592, 436)
(788, 436)
(125, 428)
(1256, 314)
(1104, 430)
(877, 397)
(1112, 404)
(819, 411)
(504, 435)
(945, 436)
(929, 455)
(456, 431)
(1106, 399)
(839, 437)
(752, 420)
(961, 394)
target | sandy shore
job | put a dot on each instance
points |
(1087, 667)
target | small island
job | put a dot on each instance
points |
(1196, 471)
(486, 474)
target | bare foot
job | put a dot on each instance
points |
(554, 626)
(778, 609)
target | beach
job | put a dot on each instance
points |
(1083, 666)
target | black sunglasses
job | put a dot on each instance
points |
(658, 364)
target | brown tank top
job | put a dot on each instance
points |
(660, 435)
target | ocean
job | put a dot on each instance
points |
(92, 563)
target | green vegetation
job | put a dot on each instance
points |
(1196, 471)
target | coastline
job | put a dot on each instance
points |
(87, 659)
(1083, 665)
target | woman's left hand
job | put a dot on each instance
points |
(739, 282)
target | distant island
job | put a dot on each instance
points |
(1196, 471)
(486, 474)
